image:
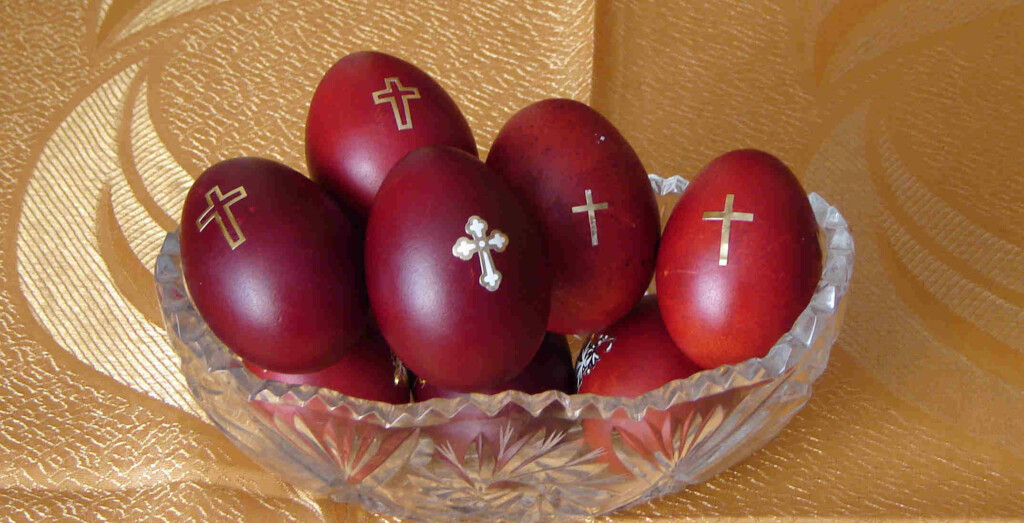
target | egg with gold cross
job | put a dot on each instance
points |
(369, 110)
(739, 259)
(455, 271)
(273, 265)
(589, 191)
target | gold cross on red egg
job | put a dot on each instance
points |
(219, 208)
(589, 208)
(393, 92)
(727, 216)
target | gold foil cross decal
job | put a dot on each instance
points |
(397, 94)
(482, 245)
(589, 208)
(219, 209)
(727, 216)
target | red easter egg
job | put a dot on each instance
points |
(550, 369)
(273, 265)
(586, 186)
(455, 271)
(369, 110)
(739, 260)
(631, 358)
(367, 370)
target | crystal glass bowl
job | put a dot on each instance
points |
(513, 456)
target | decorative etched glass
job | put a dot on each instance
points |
(512, 456)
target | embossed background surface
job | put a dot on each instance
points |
(907, 115)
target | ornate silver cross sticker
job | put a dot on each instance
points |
(482, 245)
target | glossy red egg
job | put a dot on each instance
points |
(367, 370)
(369, 110)
(631, 358)
(739, 259)
(581, 179)
(550, 369)
(273, 265)
(456, 271)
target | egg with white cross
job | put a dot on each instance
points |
(273, 265)
(368, 111)
(591, 195)
(739, 260)
(455, 271)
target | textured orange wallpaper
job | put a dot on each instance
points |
(906, 115)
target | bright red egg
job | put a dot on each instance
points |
(631, 358)
(456, 271)
(367, 370)
(273, 265)
(369, 110)
(586, 186)
(739, 259)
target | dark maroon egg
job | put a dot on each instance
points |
(367, 370)
(550, 369)
(273, 265)
(455, 271)
(739, 260)
(369, 110)
(587, 188)
(631, 358)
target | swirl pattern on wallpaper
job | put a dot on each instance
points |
(117, 185)
(82, 210)
(102, 195)
(946, 229)
(112, 21)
